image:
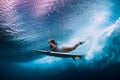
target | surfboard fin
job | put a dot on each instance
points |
(77, 57)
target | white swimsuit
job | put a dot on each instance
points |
(59, 49)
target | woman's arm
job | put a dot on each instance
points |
(53, 47)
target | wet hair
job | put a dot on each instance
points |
(52, 41)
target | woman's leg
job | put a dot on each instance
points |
(67, 49)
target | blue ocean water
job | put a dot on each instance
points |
(27, 25)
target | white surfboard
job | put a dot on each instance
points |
(60, 54)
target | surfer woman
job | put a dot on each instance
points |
(53, 46)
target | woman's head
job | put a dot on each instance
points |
(52, 41)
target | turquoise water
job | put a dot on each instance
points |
(27, 25)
